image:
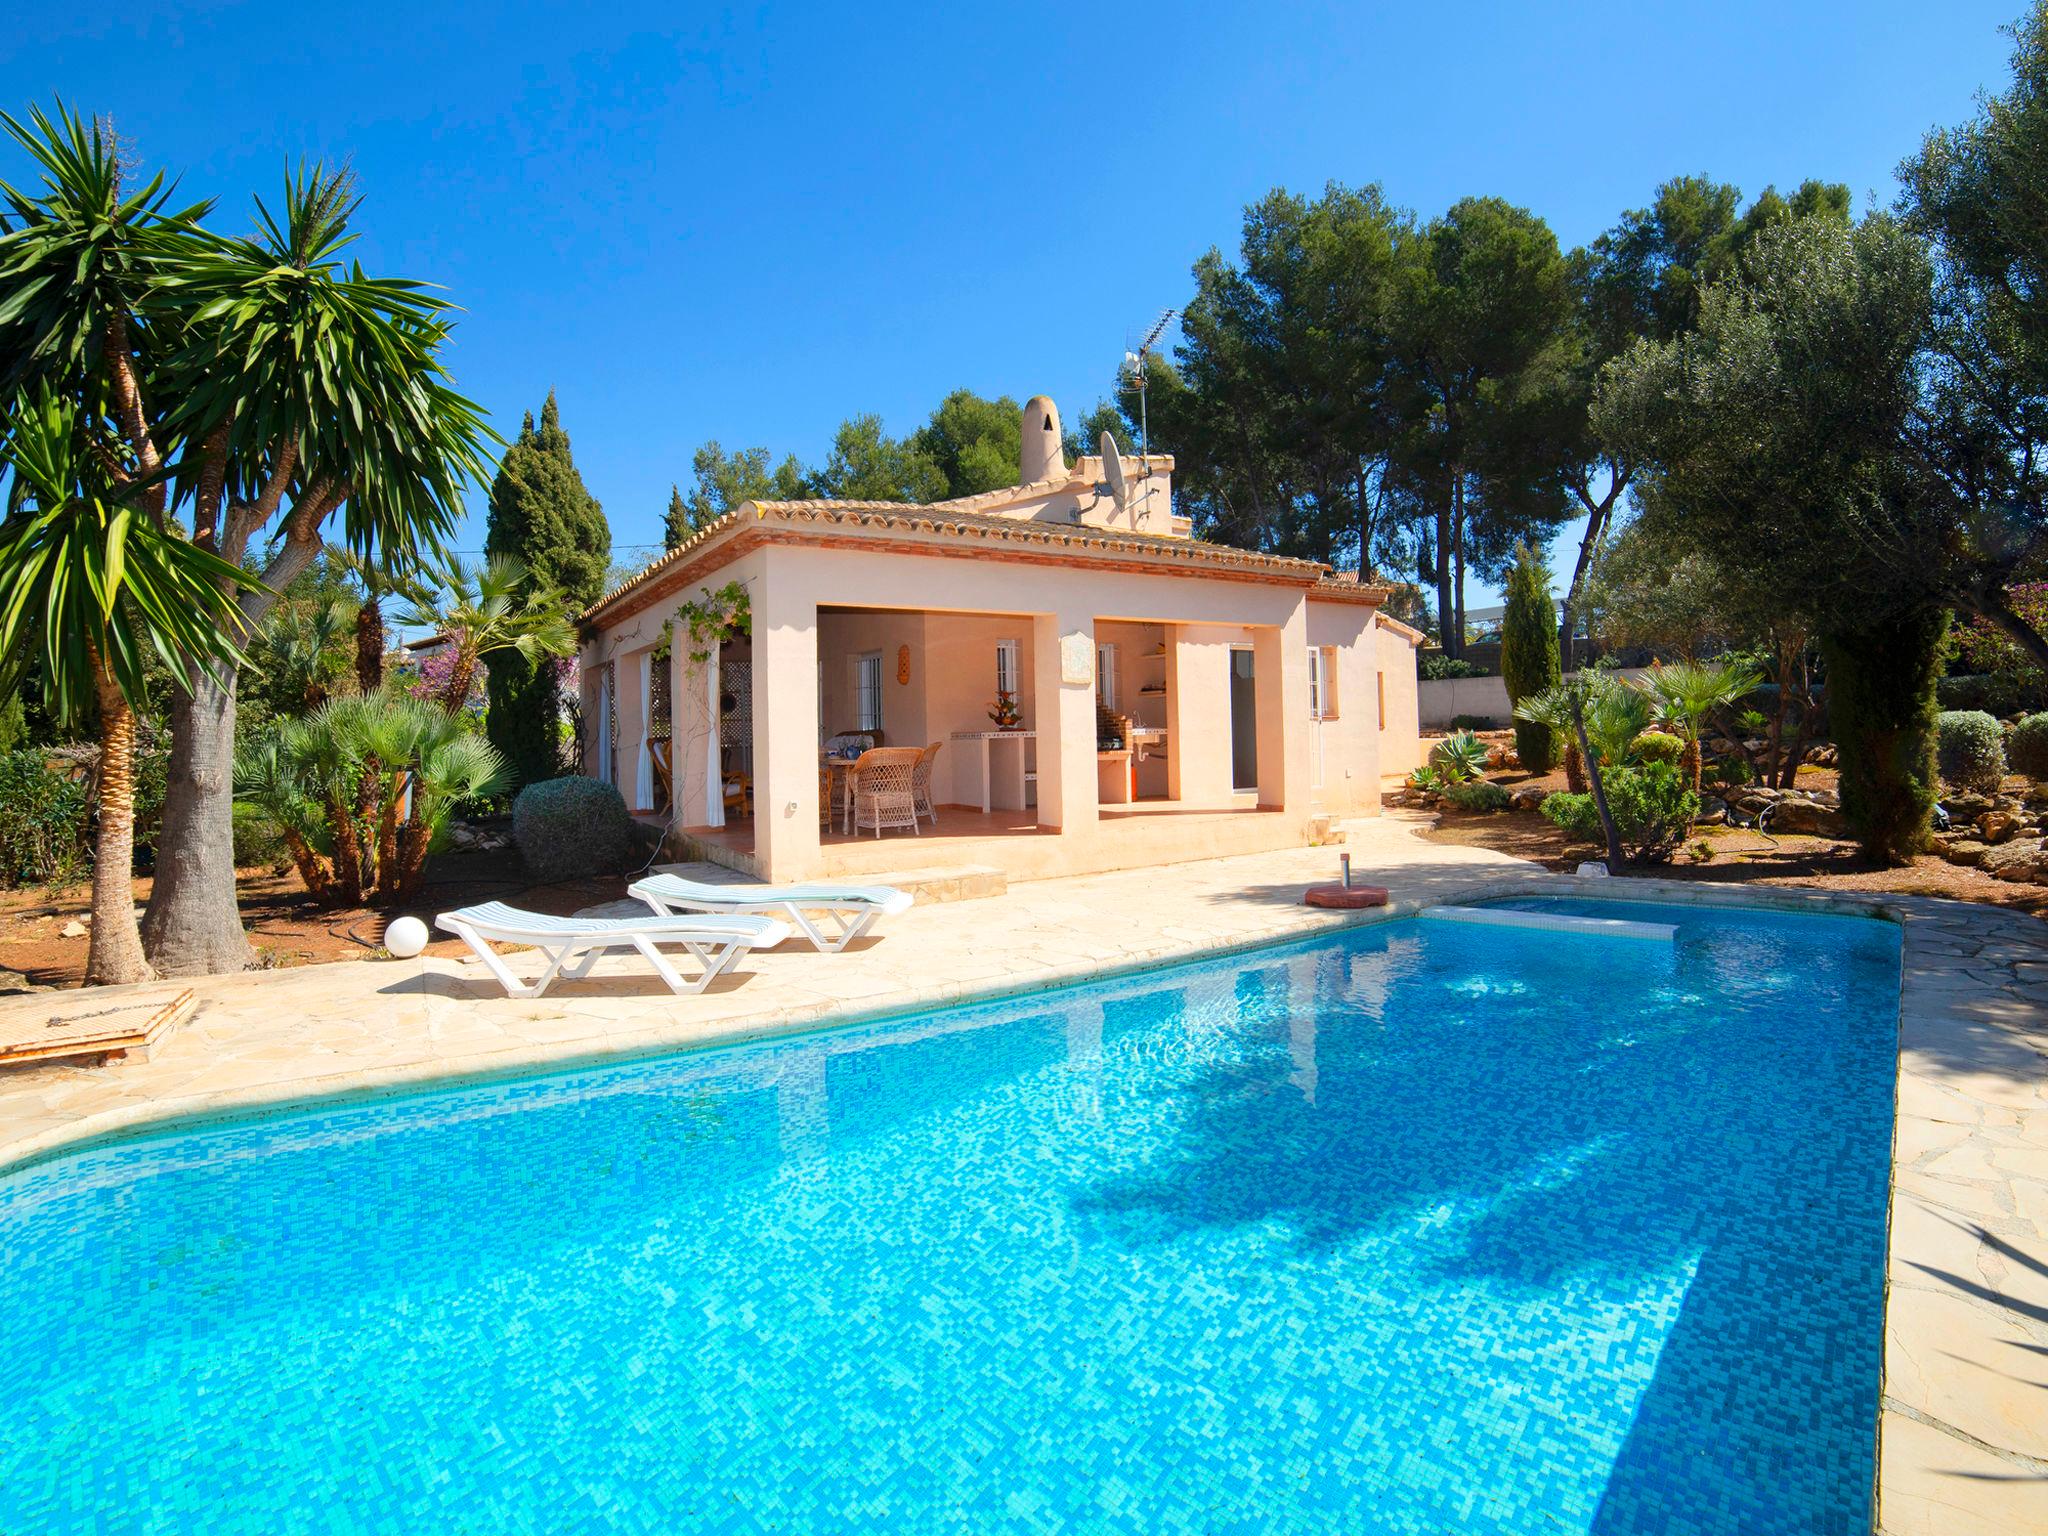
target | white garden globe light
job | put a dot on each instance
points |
(406, 937)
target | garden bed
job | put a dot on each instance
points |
(285, 925)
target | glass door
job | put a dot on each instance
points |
(1244, 722)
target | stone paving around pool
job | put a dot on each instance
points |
(1964, 1425)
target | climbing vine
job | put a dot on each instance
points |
(707, 619)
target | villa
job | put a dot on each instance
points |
(1173, 698)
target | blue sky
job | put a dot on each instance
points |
(750, 223)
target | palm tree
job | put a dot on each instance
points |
(90, 587)
(1552, 708)
(1575, 701)
(248, 384)
(492, 607)
(302, 648)
(1685, 694)
(374, 777)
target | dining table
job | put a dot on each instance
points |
(839, 777)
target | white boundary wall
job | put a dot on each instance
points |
(1439, 701)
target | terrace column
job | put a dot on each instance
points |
(630, 675)
(590, 699)
(785, 730)
(1280, 672)
(693, 734)
(1178, 678)
(1063, 708)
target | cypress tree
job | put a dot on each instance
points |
(677, 526)
(1528, 653)
(541, 514)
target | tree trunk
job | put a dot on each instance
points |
(115, 951)
(1458, 558)
(1615, 858)
(1574, 768)
(312, 871)
(2028, 638)
(1689, 760)
(413, 839)
(1444, 638)
(1597, 514)
(192, 926)
(459, 680)
(370, 643)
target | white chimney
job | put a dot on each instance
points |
(1042, 457)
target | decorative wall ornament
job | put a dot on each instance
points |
(1077, 660)
(903, 664)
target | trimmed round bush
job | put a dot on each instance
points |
(1970, 750)
(2027, 747)
(1655, 747)
(572, 826)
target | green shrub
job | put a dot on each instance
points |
(572, 826)
(1478, 795)
(1729, 772)
(1970, 750)
(1471, 723)
(1996, 693)
(1655, 747)
(1460, 756)
(43, 822)
(1651, 806)
(258, 843)
(1436, 669)
(2027, 747)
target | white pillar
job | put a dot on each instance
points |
(1063, 688)
(785, 731)
(693, 735)
(1280, 685)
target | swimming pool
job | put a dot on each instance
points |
(1412, 1229)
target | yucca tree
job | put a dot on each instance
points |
(495, 606)
(252, 383)
(1685, 694)
(90, 587)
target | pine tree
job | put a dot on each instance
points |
(542, 515)
(1528, 653)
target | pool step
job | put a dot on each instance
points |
(1556, 922)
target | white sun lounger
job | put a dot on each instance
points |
(851, 910)
(714, 942)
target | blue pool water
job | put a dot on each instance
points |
(1423, 1228)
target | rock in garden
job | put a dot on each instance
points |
(73, 930)
(14, 981)
(1967, 806)
(1529, 797)
(1998, 826)
(2025, 861)
(1803, 818)
(1964, 851)
(1712, 812)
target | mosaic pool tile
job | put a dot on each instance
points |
(1412, 1230)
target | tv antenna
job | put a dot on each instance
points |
(1136, 372)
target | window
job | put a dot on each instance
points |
(1105, 676)
(1382, 679)
(1322, 682)
(867, 691)
(1006, 669)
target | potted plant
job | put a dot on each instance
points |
(1005, 714)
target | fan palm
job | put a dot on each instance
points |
(90, 587)
(1552, 708)
(491, 607)
(1685, 694)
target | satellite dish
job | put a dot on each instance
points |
(1113, 472)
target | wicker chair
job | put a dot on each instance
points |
(921, 783)
(882, 793)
